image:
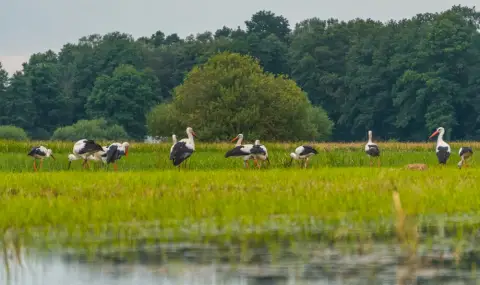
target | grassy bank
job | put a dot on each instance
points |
(76, 198)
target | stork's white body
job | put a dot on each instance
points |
(303, 152)
(442, 149)
(183, 149)
(260, 156)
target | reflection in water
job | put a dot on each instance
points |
(437, 250)
(299, 263)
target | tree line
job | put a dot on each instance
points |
(401, 79)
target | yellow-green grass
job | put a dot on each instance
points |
(79, 199)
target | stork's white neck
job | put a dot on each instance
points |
(370, 137)
(190, 138)
(440, 140)
(239, 141)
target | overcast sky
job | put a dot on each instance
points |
(29, 26)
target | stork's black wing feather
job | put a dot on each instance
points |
(308, 149)
(465, 150)
(113, 154)
(90, 146)
(257, 149)
(180, 153)
(236, 151)
(36, 151)
(373, 150)
(442, 154)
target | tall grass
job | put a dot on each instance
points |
(66, 147)
(78, 198)
(142, 156)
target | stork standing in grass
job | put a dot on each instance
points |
(183, 149)
(372, 149)
(442, 149)
(40, 152)
(465, 153)
(240, 150)
(82, 149)
(121, 147)
(303, 153)
(259, 152)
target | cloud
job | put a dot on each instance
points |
(12, 63)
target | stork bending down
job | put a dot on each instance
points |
(82, 149)
(303, 152)
(40, 152)
(465, 153)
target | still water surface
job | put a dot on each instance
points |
(436, 256)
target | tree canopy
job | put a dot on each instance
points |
(400, 79)
(231, 94)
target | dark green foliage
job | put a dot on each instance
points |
(231, 94)
(402, 79)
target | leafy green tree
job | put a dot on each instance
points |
(98, 129)
(231, 94)
(17, 106)
(124, 98)
(264, 23)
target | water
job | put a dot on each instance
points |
(439, 251)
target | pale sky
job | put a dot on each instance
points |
(29, 26)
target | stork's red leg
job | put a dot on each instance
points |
(115, 166)
(379, 162)
(41, 163)
(35, 165)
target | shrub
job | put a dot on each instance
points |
(12, 133)
(98, 129)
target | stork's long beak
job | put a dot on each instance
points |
(234, 139)
(51, 155)
(69, 164)
(194, 134)
(434, 134)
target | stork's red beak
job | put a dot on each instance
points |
(234, 139)
(51, 155)
(434, 134)
(194, 134)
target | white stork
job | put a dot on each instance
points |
(372, 149)
(82, 149)
(465, 153)
(303, 152)
(40, 152)
(122, 147)
(183, 149)
(442, 149)
(259, 152)
(240, 150)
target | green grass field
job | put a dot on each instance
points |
(216, 195)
